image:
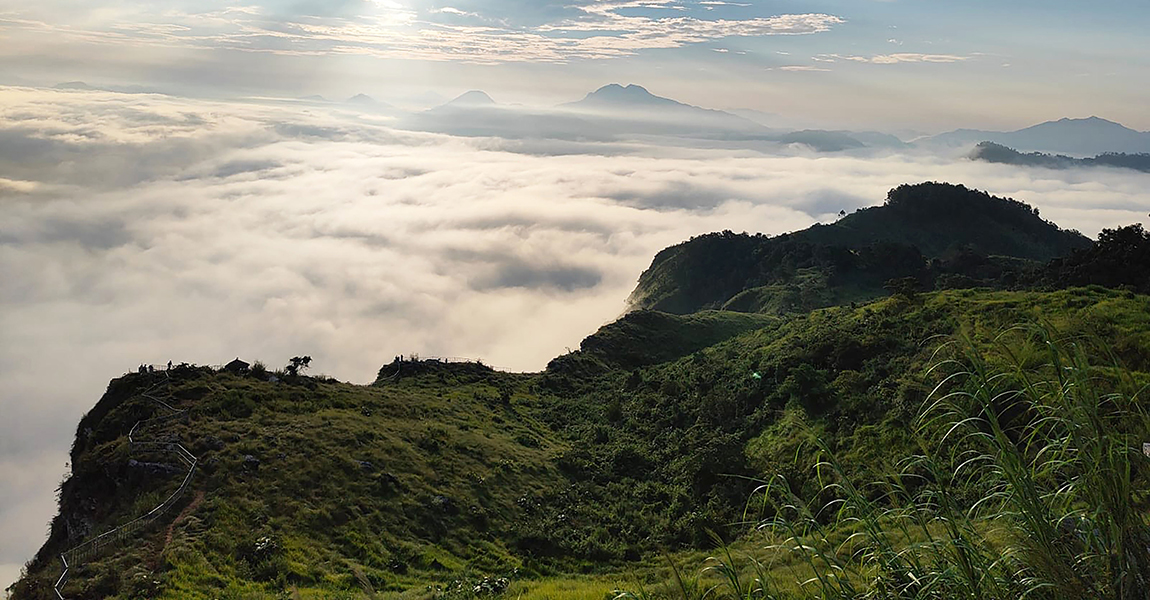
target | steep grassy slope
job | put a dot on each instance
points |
(443, 472)
(930, 232)
(680, 436)
(315, 484)
(642, 338)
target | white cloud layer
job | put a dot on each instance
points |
(143, 228)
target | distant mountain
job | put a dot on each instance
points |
(363, 100)
(73, 85)
(634, 97)
(616, 113)
(366, 103)
(823, 141)
(934, 233)
(997, 153)
(318, 98)
(636, 103)
(474, 98)
(1075, 137)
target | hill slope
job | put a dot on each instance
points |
(440, 478)
(923, 231)
(440, 472)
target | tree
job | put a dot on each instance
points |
(297, 364)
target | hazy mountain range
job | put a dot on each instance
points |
(1075, 137)
(617, 112)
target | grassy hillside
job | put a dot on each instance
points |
(312, 484)
(442, 473)
(938, 235)
(642, 338)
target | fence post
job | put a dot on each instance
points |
(85, 550)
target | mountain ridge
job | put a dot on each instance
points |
(997, 153)
(1075, 136)
(923, 231)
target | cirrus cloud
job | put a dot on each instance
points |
(891, 59)
(597, 30)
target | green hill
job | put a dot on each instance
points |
(931, 232)
(441, 472)
(642, 337)
(453, 480)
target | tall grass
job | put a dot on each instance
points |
(1030, 483)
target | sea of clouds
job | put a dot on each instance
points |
(143, 228)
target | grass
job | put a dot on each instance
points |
(575, 483)
(1047, 443)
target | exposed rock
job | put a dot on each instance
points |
(151, 468)
(444, 504)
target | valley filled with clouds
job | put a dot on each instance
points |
(143, 228)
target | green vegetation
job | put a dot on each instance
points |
(1028, 482)
(997, 153)
(664, 433)
(944, 236)
(454, 472)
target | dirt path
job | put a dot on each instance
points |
(193, 505)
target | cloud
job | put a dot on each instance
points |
(803, 68)
(143, 228)
(890, 59)
(601, 29)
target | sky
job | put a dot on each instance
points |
(862, 63)
(211, 218)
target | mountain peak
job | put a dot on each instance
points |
(361, 99)
(473, 98)
(619, 93)
(73, 85)
(631, 96)
(1080, 137)
(1091, 120)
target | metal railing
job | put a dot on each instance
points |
(90, 548)
(456, 359)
